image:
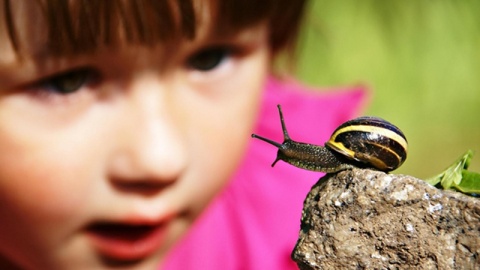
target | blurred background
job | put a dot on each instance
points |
(421, 61)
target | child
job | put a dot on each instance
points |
(125, 134)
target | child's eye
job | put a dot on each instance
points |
(68, 82)
(208, 59)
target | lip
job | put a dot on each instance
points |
(126, 241)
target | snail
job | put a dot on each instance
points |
(363, 142)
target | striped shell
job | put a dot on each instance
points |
(372, 141)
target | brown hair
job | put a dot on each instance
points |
(83, 25)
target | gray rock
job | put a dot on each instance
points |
(364, 219)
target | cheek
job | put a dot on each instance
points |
(44, 190)
(40, 202)
(40, 184)
(37, 209)
(47, 182)
(223, 126)
(216, 159)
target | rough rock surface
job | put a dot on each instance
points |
(363, 219)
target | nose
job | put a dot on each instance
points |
(150, 153)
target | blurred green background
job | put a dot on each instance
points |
(419, 58)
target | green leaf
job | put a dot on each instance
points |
(470, 182)
(452, 176)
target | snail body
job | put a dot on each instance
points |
(365, 142)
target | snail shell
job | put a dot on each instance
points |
(370, 140)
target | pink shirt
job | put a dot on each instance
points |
(254, 223)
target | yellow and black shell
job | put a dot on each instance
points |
(372, 141)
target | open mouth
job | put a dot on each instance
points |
(126, 242)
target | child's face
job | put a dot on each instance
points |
(107, 158)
